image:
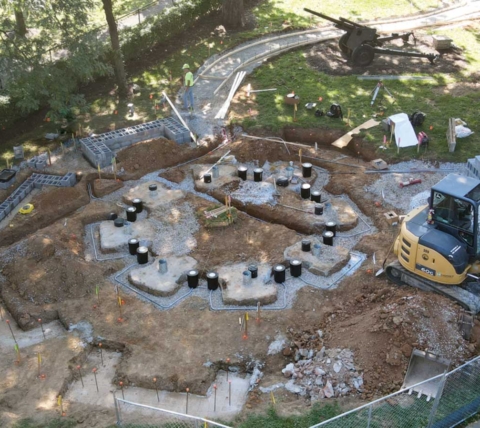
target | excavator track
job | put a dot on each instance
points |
(400, 276)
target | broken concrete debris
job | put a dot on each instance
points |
(324, 374)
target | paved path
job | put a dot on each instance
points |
(214, 78)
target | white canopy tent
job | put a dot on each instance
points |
(403, 130)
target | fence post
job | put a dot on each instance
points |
(436, 403)
(117, 411)
(369, 416)
(138, 12)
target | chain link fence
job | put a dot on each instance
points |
(443, 401)
(137, 415)
(456, 397)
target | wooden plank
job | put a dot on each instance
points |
(345, 139)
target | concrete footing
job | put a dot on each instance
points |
(331, 259)
(152, 200)
(116, 238)
(151, 280)
(236, 293)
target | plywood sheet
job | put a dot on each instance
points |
(345, 139)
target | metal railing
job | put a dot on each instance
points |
(457, 398)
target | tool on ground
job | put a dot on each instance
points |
(376, 90)
(360, 43)
(438, 245)
(79, 368)
(94, 370)
(335, 111)
(310, 106)
(41, 326)
(410, 181)
(26, 209)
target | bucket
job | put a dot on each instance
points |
(133, 244)
(242, 172)
(295, 268)
(257, 174)
(331, 226)
(306, 170)
(253, 270)
(306, 244)
(142, 255)
(138, 204)
(131, 214)
(212, 280)
(279, 274)
(192, 278)
(328, 238)
(305, 191)
(315, 196)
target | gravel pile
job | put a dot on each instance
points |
(175, 227)
(327, 373)
(387, 187)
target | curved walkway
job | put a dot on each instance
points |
(214, 78)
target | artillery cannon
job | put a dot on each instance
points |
(360, 43)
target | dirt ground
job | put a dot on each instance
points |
(47, 276)
(44, 274)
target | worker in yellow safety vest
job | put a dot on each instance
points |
(188, 83)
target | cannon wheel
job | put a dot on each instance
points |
(342, 44)
(363, 55)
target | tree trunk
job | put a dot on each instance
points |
(20, 20)
(118, 65)
(233, 13)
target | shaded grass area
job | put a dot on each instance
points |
(54, 423)
(291, 72)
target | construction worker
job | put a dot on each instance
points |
(188, 83)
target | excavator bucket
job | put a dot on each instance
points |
(423, 366)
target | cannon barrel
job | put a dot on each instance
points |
(328, 18)
(340, 24)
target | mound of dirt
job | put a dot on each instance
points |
(149, 156)
(102, 187)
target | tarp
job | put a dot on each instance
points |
(403, 129)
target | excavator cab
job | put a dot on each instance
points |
(454, 208)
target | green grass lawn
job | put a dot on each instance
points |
(355, 95)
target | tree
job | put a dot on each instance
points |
(233, 13)
(20, 20)
(118, 65)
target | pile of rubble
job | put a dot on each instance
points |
(324, 374)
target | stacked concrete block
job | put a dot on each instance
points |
(175, 131)
(94, 147)
(38, 162)
(473, 167)
(34, 181)
(97, 152)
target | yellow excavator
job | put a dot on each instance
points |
(438, 248)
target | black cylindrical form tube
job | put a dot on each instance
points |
(112, 216)
(318, 209)
(242, 172)
(305, 191)
(119, 222)
(142, 255)
(192, 278)
(331, 226)
(328, 238)
(306, 245)
(152, 187)
(257, 174)
(282, 181)
(207, 178)
(306, 170)
(253, 270)
(295, 268)
(315, 196)
(138, 204)
(279, 274)
(131, 214)
(212, 280)
(133, 244)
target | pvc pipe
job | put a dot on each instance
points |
(180, 117)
